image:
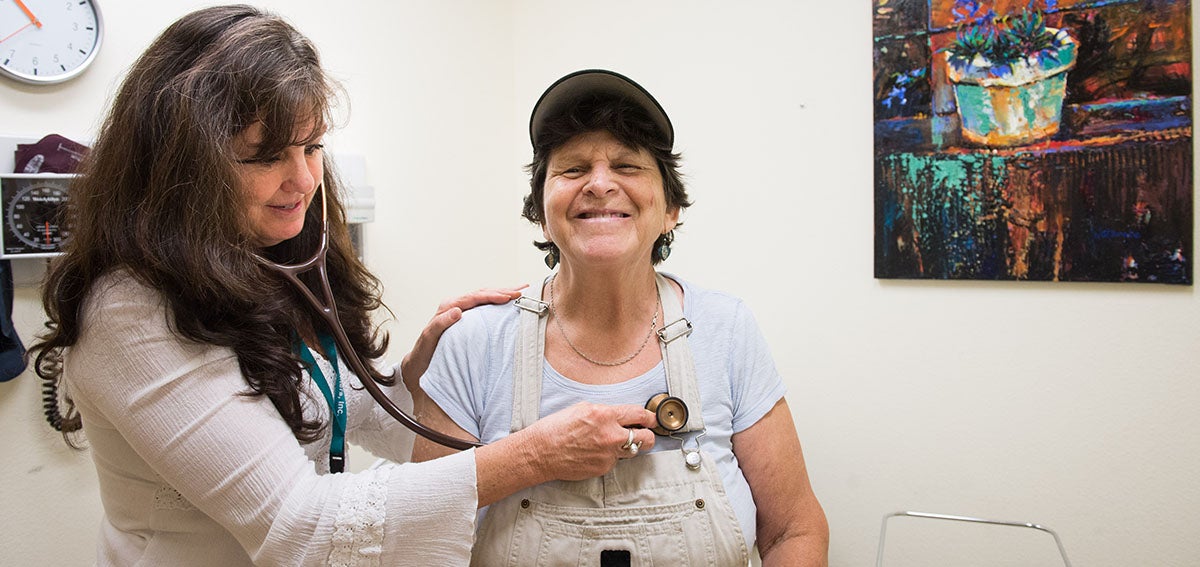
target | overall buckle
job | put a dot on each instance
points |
(680, 328)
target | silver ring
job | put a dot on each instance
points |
(628, 446)
(634, 448)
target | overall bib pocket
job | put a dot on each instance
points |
(680, 533)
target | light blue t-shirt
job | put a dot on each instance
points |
(471, 379)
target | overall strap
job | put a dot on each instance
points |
(677, 356)
(528, 360)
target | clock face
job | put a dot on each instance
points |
(48, 41)
(34, 210)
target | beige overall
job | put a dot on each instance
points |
(650, 510)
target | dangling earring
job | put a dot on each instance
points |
(552, 257)
(664, 248)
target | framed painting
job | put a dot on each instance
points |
(1033, 140)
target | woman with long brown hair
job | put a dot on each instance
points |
(211, 396)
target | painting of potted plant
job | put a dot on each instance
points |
(1010, 78)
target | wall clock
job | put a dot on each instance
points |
(48, 41)
(34, 211)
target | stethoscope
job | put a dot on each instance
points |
(670, 411)
(326, 307)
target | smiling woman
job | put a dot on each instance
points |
(604, 201)
(279, 187)
(727, 472)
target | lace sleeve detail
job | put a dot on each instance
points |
(358, 530)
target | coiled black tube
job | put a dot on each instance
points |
(49, 369)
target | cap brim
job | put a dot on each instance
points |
(566, 91)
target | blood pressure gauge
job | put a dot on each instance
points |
(48, 41)
(34, 212)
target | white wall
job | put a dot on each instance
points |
(1070, 405)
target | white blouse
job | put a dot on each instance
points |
(194, 472)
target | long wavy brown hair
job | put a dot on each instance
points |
(160, 199)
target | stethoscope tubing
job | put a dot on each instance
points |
(328, 312)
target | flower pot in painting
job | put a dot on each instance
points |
(1014, 104)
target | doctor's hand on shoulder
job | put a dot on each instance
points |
(416, 362)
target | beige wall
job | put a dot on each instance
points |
(1068, 405)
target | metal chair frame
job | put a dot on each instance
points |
(883, 529)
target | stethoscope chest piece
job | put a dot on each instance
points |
(671, 413)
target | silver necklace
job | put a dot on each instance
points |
(563, 332)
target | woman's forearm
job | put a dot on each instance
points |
(792, 529)
(582, 441)
(805, 549)
(506, 466)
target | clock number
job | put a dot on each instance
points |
(35, 61)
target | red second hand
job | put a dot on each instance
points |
(21, 29)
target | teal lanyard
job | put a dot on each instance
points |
(336, 398)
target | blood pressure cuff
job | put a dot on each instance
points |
(51, 154)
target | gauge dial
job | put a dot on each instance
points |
(34, 210)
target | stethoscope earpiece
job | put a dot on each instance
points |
(671, 413)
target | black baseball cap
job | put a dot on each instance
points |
(563, 94)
